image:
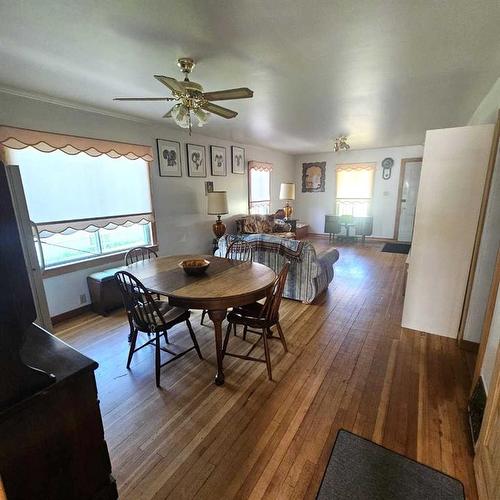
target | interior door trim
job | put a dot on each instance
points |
(402, 171)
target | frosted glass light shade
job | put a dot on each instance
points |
(287, 191)
(217, 203)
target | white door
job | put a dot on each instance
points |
(30, 256)
(409, 192)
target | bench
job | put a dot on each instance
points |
(104, 291)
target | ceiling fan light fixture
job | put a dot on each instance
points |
(340, 144)
(202, 117)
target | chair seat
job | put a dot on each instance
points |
(172, 315)
(240, 318)
(254, 309)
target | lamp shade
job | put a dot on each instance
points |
(287, 191)
(217, 203)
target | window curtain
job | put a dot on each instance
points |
(73, 183)
(259, 187)
(354, 188)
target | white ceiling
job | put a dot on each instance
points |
(381, 72)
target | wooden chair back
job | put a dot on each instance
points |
(139, 254)
(239, 250)
(271, 308)
(139, 303)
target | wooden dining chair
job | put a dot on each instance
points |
(259, 318)
(153, 317)
(237, 250)
(139, 254)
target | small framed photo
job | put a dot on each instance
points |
(209, 187)
(218, 160)
(237, 160)
(169, 158)
(196, 160)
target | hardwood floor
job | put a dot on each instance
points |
(350, 365)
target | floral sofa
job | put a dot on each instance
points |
(267, 224)
(310, 273)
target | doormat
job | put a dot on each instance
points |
(396, 247)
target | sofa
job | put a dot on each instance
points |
(310, 272)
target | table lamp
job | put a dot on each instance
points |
(217, 205)
(287, 192)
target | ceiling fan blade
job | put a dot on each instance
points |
(143, 99)
(219, 110)
(222, 95)
(168, 114)
(171, 83)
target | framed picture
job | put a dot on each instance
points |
(169, 158)
(196, 160)
(218, 160)
(237, 160)
(313, 177)
(209, 187)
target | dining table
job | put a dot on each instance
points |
(225, 284)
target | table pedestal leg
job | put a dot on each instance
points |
(218, 317)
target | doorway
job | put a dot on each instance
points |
(409, 181)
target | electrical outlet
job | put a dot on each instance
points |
(83, 298)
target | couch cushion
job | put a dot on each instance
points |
(258, 224)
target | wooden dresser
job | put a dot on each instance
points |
(52, 443)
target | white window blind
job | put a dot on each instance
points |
(62, 187)
(354, 189)
(259, 187)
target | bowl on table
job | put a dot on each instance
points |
(194, 266)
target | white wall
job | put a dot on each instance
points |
(492, 346)
(487, 111)
(488, 248)
(312, 207)
(451, 186)
(179, 203)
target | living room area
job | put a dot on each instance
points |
(249, 250)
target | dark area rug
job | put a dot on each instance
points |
(362, 470)
(396, 247)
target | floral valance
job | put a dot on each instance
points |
(355, 167)
(260, 165)
(20, 138)
(92, 225)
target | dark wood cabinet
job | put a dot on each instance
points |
(52, 444)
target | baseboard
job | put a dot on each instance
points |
(59, 318)
(468, 345)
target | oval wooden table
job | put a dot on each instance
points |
(226, 283)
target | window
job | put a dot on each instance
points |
(259, 187)
(84, 206)
(354, 189)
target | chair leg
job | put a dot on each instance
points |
(245, 332)
(203, 314)
(282, 336)
(157, 358)
(234, 329)
(131, 350)
(165, 335)
(266, 352)
(226, 339)
(193, 338)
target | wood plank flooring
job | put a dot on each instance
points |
(350, 366)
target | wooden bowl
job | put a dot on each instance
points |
(194, 267)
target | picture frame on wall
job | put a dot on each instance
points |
(209, 187)
(313, 177)
(237, 160)
(196, 161)
(169, 158)
(218, 160)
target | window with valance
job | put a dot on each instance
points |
(86, 197)
(259, 187)
(354, 189)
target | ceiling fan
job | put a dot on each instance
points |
(191, 99)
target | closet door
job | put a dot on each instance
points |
(452, 181)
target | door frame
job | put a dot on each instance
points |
(479, 233)
(402, 171)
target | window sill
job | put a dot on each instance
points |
(87, 264)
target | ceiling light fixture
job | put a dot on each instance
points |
(340, 144)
